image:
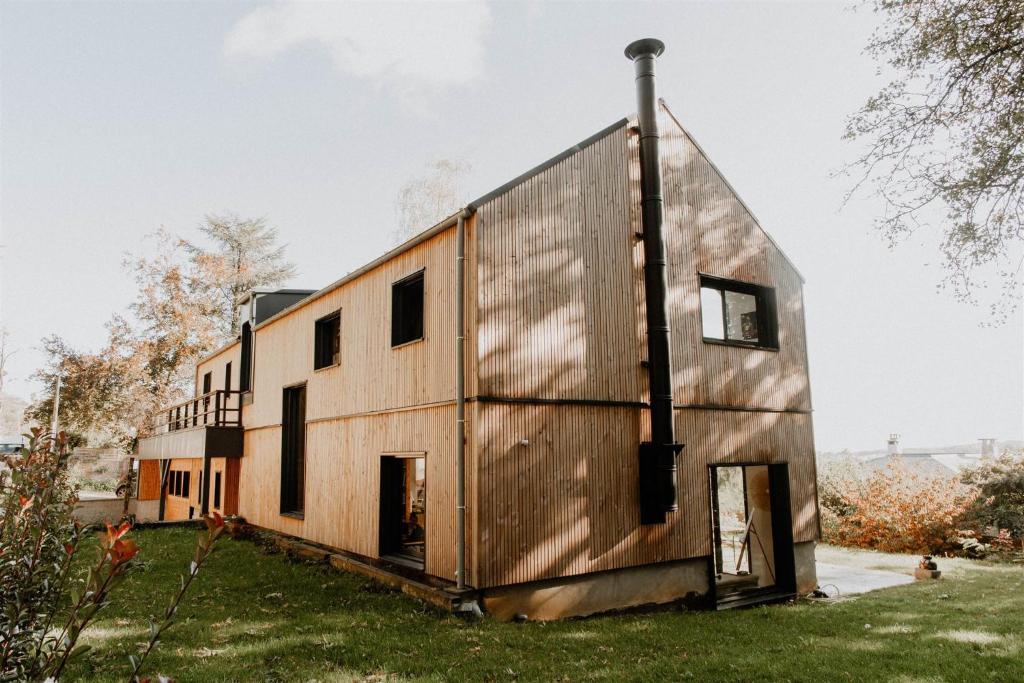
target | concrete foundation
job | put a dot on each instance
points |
(144, 510)
(601, 592)
(806, 573)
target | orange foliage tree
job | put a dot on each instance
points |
(896, 510)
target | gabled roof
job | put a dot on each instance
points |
(502, 189)
(746, 207)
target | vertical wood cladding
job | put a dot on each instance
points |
(558, 315)
(215, 366)
(177, 507)
(149, 480)
(560, 296)
(377, 400)
(343, 480)
(555, 313)
(565, 501)
(708, 230)
(372, 376)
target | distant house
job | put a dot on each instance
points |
(535, 403)
(944, 462)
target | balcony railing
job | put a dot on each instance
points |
(218, 408)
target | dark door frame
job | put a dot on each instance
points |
(783, 550)
(389, 520)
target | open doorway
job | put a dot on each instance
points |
(752, 532)
(403, 509)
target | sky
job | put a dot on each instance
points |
(119, 118)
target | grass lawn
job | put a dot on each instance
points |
(258, 617)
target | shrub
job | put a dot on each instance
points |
(44, 609)
(38, 538)
(1000, 505)
(896, 510)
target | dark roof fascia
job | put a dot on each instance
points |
(596, 137)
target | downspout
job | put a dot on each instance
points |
(460, 399)
(657, 457)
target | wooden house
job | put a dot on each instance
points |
(585, 391)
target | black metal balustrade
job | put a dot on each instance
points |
(218, 408)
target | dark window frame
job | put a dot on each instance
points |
(293, 451)
(327, 341)
(407, 325)
(245, 358)
(767, 312)
(216, 489)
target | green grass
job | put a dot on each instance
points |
(258, 617)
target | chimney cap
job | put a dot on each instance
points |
(644, 46)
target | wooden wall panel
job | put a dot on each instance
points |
(556, 296)
(215, 364)
(561, 316)
(708, 230)
(149, 480)
(566, 502)
(343, 480)
(720, 437)
(176, 507)
(232, 468)
(371, 376)
(228, 468)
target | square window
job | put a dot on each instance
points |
(407, 310)
(738, 313)
(327, 341)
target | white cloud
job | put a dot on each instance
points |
(408, 46)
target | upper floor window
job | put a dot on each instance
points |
(327, 341)
(407, 309)
(738, 313)
(245, 362)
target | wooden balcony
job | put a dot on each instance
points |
(205, 426)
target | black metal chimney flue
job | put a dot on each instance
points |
(657, 457)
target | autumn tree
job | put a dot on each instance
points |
(244, 255)
(427, 199)
(95, 392)
(183, 309)
(945, 138)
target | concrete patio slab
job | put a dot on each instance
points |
(853, 580)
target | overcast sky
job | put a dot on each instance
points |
(119, 118)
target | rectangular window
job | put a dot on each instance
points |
(327, 341)
(245, 362)
(293, 451)
(186, 476)
(227, 377)
(407, 310)
(216, 490)
(738, 313)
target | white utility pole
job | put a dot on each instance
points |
(56, 408)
